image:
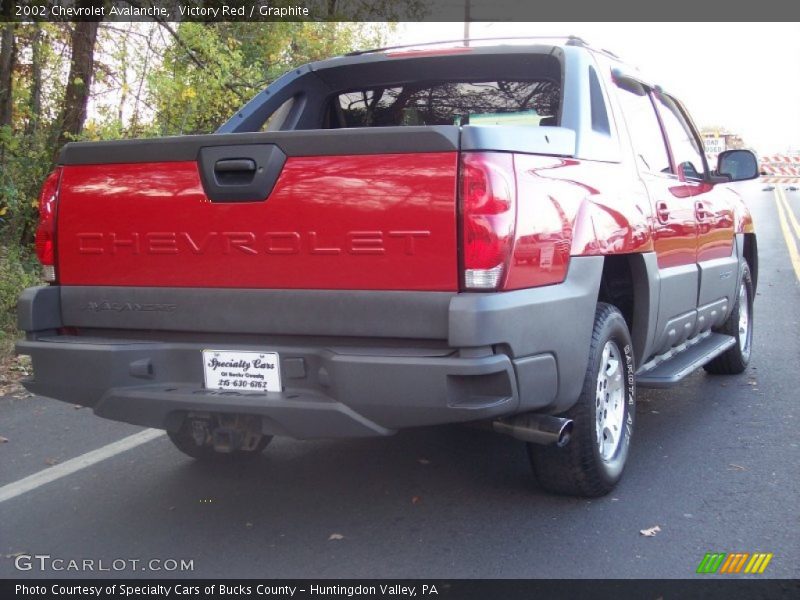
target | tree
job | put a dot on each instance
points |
(36, 81)
(79, 81)
(8, 56)
(210, 70)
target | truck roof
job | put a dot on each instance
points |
(489, 45)
(564, 40)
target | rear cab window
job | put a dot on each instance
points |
(514, 85)
(511, 102)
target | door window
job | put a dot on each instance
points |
(686, 149)
(645, 130)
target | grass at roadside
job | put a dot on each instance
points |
(18, 270)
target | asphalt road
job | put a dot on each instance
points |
(715, 464)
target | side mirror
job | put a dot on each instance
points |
(738, 165)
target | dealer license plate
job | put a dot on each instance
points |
(241, 370)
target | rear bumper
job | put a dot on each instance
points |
(327, 392)
(485, 356)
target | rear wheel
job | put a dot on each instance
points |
(592, 463)
(195, 438)
(740, 326)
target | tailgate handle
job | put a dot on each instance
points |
(235, 165)
(240, 172)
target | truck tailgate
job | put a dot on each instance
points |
(350, 209)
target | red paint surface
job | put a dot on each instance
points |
(674, 220)
(743, 219)
(377, 222)
(713, 205)
(570, 207)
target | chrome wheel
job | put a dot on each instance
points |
(609, 401)
(744, 320)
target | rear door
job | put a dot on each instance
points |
(716, 257)
(674, 221)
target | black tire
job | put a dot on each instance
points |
(736, 358)
(185, 442)
(580, 468)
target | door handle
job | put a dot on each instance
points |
(662, 211)
(235, 165)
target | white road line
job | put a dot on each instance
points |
(12, 490)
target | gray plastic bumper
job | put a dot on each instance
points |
(486, 355)
(327, 393)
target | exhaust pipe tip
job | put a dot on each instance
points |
(565, 435)
(537, 429)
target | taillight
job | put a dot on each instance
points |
(46, 231)
(488, 217)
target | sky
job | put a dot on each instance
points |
(744, 77)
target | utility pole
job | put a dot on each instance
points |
(467, 6)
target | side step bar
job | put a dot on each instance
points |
(667, 370)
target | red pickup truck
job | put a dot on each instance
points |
(512, 234)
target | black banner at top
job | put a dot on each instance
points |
(396, 10)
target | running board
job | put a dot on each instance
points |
(666, 370)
